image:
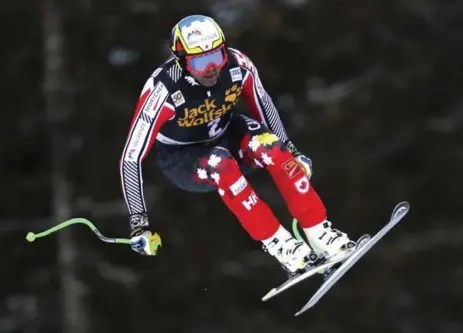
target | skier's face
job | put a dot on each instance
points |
(205, 67)
(208, 79)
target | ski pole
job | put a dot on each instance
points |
(32, 236)
(296, 232)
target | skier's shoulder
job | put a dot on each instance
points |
(241, 59)
(163, 80)
(168, 73)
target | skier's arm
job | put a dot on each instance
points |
(151, 112)
(258, 100)
(261, 106)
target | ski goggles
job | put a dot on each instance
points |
(200, 64)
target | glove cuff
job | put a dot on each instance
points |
(139, 221)
(292, 148)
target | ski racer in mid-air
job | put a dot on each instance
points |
(186, 114)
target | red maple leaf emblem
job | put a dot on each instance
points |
(302, 185)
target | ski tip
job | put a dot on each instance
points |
(404, 204)
(269, 295)
(400, 209)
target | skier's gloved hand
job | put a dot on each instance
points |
(142, 240)
(304, 161)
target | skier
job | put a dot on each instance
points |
(186, 110)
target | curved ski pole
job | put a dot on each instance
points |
(32, 236)
(296, 232)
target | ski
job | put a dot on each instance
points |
(398, 214)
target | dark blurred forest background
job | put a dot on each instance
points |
(371, 90)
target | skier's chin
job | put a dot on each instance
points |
(208, 80)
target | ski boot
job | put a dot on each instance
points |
(295, 256)
(328, 243)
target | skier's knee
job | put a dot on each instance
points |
(222, 168)
(220, 152)
(220, 161)
(263, 148)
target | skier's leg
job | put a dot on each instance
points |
(219, 167)
(254, 215)
(201, 168)
(204, 168)
(301, 198)
(267, 151)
